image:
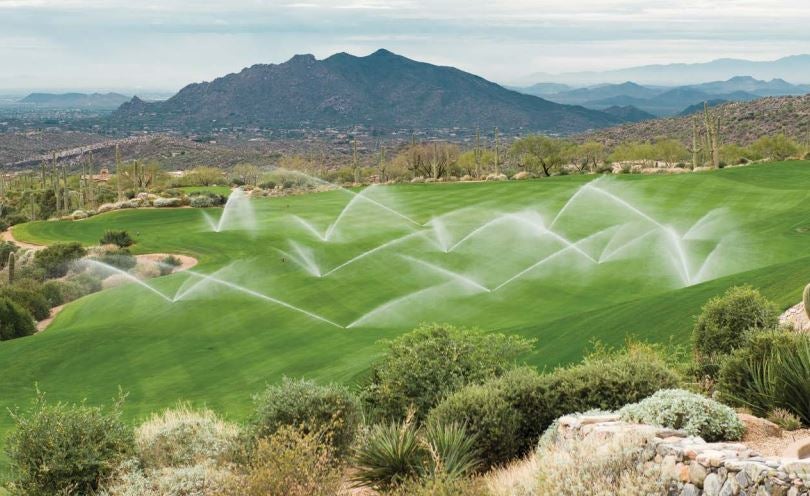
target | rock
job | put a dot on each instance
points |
(757, 428)
(521, 175)
(690, 490)
(712, 485)
(697, 474)
(730, 488)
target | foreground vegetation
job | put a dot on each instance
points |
(452, 437)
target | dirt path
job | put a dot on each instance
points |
(7, 235)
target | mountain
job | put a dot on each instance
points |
(628, 113)
(580, 96)
(97, 100)
(795, 68)
(742, 122)
(699, 107)
(542, 89)
(381, 90)
(750, 85)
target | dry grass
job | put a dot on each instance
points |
(182, 436)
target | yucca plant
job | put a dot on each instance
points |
(394, 454)
(792, 369)
(452, 451)
(391, 455)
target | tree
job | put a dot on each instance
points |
(432, 160)
(531, 151)
(588, 155)
(205, 176)
(247, 173)
(776, 147)
(139, 175)
(670, 151)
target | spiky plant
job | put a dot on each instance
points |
(391, 455)
(452, 451)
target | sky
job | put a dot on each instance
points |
(162, 45)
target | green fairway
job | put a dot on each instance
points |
(324, 277)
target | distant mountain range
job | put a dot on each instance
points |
(663, 101)
(95, 100)
(795, 68)
(381, 90)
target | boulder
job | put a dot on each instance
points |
(758, 428)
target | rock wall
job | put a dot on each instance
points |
(694, 467)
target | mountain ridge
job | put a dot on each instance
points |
(383, 90)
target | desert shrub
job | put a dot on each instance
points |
(6, 248)
(202, 201)
(79, 285)
(28, 294)
(330, 410)
(596, 467)
(120, 259)
(690, 412)
(55, 260)
(15, 321)
(52, 292)
(604, 381)
(785, 419)
(724, 320)
(168, 264)
(424, 365)
(167, 202)
(290, 462)
(56, 448)
(737, 379)
(122, 239)
(493, 422)
(203, 479)
(182, 436)
(439, 486)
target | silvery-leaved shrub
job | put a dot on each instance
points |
(182, 436)
(690, 412)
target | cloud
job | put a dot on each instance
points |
(92, 40)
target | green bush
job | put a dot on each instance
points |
(65, 449)
(15, 321)
(200, 201)
(425, 365)
(690, 412)
(121, 259)
(28, 294)
(122, 239)
(55, 260)
(330, 410)
(605, 381)
(487, 416)
(52, 291)
(724, 321)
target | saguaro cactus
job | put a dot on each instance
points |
(696, 149)
(11, 262)
(806, 300)
(712, 123)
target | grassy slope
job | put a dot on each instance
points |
(221, 348)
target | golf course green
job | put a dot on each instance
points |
(311, 287)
